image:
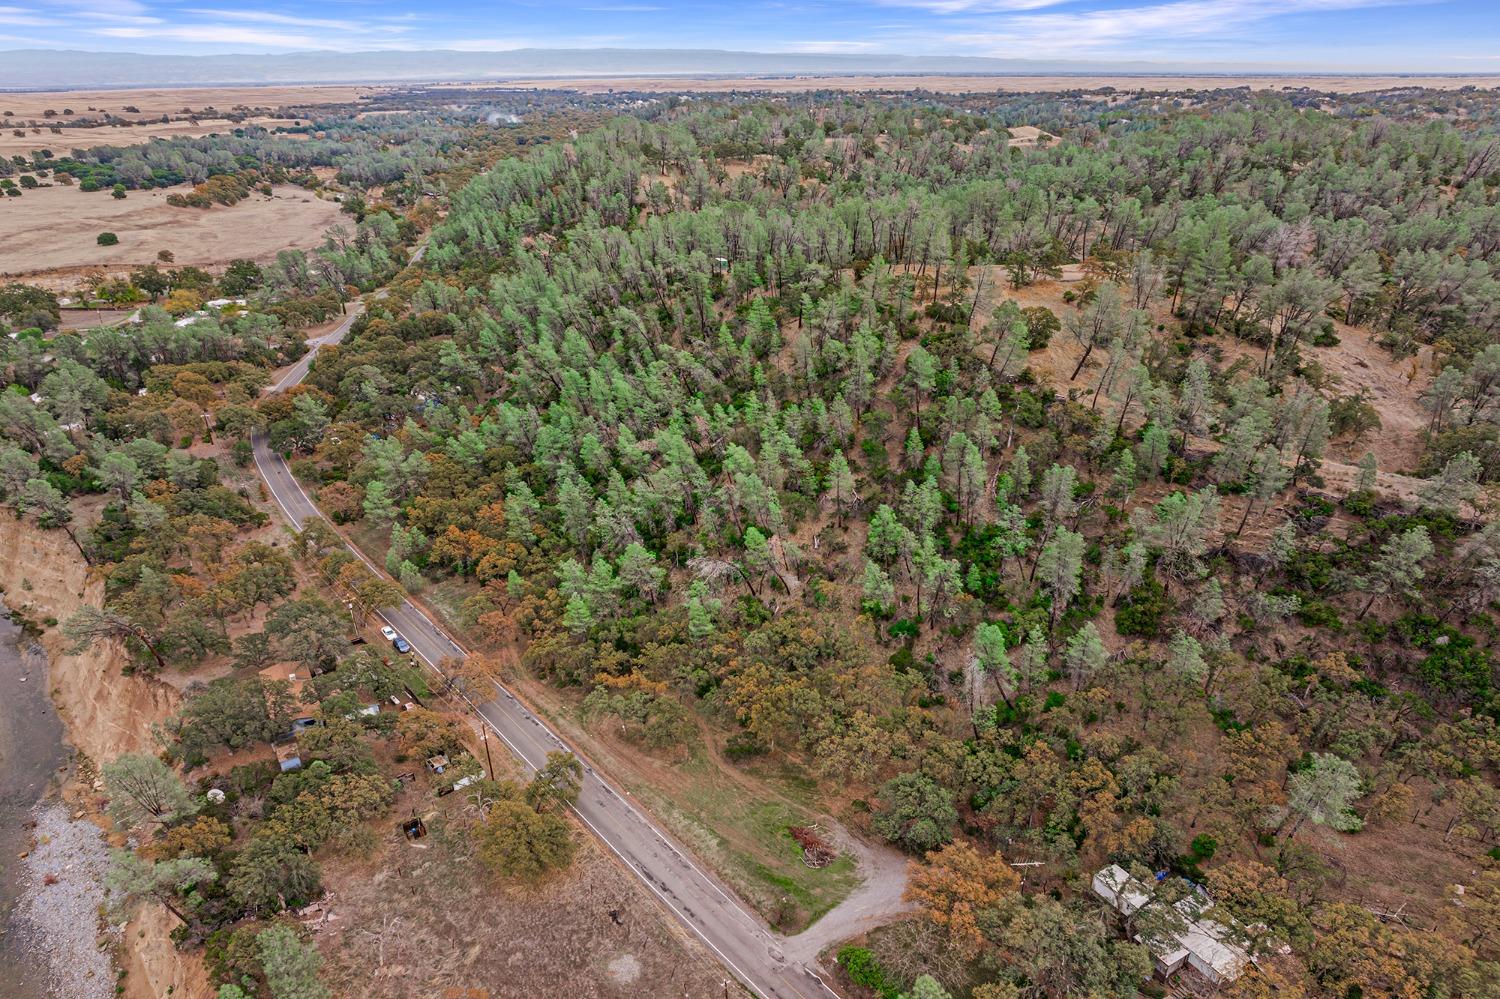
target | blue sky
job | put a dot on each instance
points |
(1451, 35)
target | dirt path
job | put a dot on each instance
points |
(877, 901)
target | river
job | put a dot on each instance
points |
(31, 754)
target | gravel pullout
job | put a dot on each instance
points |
(59, 922)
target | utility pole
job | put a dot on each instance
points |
(484, 737)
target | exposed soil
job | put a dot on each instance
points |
(1391, 867)
(50, 233)
(87, 319)
(422, 919)
(105, 712)
(154, 967)
(1356, 364)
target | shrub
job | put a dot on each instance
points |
(1144, 609)
(743, 746)
(107, 239)
(863, 969)
(1031, 412)
(1041, 324)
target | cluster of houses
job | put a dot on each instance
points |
(1201, 947)
(287, 755)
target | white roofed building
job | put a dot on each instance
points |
(1203, 946)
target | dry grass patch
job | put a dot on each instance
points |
(424, 920)
(52, 231)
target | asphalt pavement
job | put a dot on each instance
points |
(749, 950)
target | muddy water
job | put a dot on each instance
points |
(31, 753)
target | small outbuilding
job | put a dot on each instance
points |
(288, 757)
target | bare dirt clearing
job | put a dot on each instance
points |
(52, 231)
(420, 919)
(998, 84)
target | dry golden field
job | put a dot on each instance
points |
(50, 233)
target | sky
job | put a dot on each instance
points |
(1426, 35)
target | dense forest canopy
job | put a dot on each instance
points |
(1006, 489)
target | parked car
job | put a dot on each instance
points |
(402, 645)
(389, 633)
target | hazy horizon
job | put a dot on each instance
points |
(49, 69)
(1432, 36)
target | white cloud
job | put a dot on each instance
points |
(268, 17)
(217, 34)
(118, 11)
(972, 6)
(14, 16)
(1092, 31)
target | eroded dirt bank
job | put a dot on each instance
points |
(105, 712)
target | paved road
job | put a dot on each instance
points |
(751, 952)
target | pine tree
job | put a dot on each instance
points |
(989, 650)
(700, 608)
(1011, 538)
(1122, 484)
(1369, 474)
(379, 507)
(1268, 477)
(1096, 324)
(291, 966)
(1031, 670)
(1281, 545)
(1310, 436)
(1085, 655)
(1020, 472)
(879, 593)
(1151, 452)
(1456, 484)
(921, 375)
(1208, 606)
(886, 538)
(1398, 568)
(840, 494)
(1193, 399)
(972, 474)
(1185, 658)
(915, 450)
(1325, 793)
(1060, 565)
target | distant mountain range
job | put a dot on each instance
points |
(38, 69)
